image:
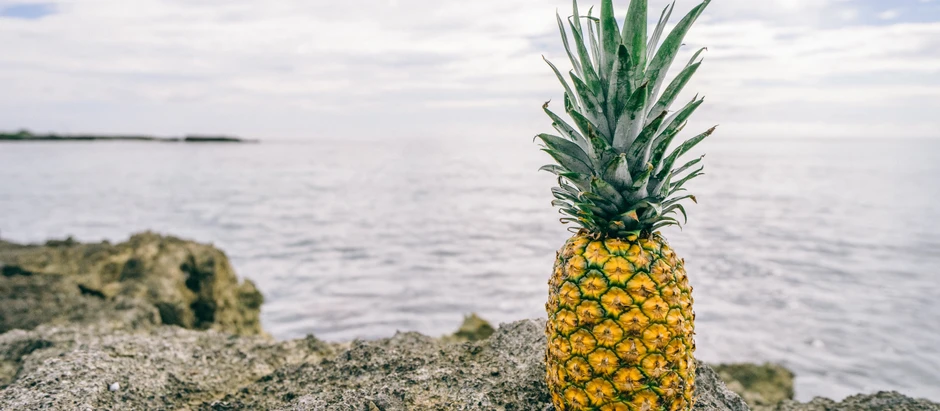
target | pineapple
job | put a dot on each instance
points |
(620, 319)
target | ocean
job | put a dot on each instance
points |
(820, 254)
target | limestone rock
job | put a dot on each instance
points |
(74, 367)
(413, 372)
(77, 367)
(188, 284)
(887, 401)
(712, 394)
(760, 385)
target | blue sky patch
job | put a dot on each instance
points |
(27, 11)
(879, 12)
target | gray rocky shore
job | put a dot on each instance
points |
(162, 323)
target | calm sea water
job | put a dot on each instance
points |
(821, 255)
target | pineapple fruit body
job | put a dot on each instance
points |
(620, 321)
(620, 326)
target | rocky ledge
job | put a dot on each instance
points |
(162, 323)
(181, 282)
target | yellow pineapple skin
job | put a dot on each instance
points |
(620, 326)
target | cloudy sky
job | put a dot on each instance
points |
(445, 69)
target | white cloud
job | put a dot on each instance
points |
(889, 14)
(848, 14)
(296, 68)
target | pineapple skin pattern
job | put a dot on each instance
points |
(620, 321)
(620, 327)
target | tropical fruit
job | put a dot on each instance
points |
(620, 320)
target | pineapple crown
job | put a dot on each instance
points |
(614, 175)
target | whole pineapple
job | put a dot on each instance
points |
(620, 320)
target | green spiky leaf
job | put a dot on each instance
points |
(581, 181)
(610, 38)
(588, 130)
(639, 151)
(665, 222)
(634, 34)
(673, 90)
(654, 39)
(682, 149)
(618, 172)
(569, 162)
(651, 211)
(677, 207)
(677, 119)
(688, 165)
(695, 56)
(562, 194)
(587, 67)
(614, 177)
(676, 200)
(595, 48)
(568, 131)
(643, 177)
(655, 73)
(553, 168)
(607, 192)
(621, 86)
(561, 79)
(681, 182)
(565, 146)
(592, 108)
(564, 39)
(632, 120)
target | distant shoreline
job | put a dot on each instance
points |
(27, 136)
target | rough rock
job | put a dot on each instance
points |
(760, 385)
(892, 401)
(31, 300)
(413, 372)
(712, 394)
(75, 367)
(189, 284)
